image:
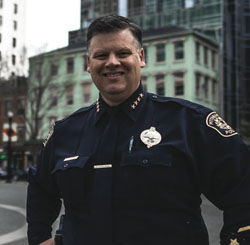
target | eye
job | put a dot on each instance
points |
(100, 56)
(124, 54)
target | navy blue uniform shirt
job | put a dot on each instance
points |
(117, 190)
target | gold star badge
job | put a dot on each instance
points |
(234, 242)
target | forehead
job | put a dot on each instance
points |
(118, 39)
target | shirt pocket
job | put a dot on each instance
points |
(144, 175)
(72, 179)
(148, 158)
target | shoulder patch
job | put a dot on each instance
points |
(49, 135)
(215, 122)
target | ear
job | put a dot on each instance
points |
(88, 63)
(142, 58)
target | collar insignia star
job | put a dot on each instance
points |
(97, 105)
(137, 101)
(234, 242)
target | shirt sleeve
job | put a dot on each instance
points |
(224, 164)
(43, 199)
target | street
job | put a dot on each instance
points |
(13, 225)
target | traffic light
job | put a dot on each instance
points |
(3, 156)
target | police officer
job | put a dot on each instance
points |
(130, 168)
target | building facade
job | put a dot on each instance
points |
(13, 60)
(13, 107)
(205, 16)
(236, 66)
(179, 63)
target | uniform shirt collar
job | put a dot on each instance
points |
(131, 107)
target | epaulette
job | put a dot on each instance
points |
(182, 102)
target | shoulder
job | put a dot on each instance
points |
(74, 121)
(179, 104)
(69, 122)
(75, 115)
(193, 112)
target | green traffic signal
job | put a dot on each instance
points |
(3, 156)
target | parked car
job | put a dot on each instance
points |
(21, 174)
(3, 174)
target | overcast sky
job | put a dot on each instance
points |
(48, 23)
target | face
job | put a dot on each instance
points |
(114, 64)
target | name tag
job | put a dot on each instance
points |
(103, 166)
(70, 158)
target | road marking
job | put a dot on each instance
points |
(17, 234)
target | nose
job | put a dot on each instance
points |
(112, 61)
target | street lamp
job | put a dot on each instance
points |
(9, 172)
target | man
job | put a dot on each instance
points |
(131, 167)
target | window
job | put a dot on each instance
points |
(15, 25)
(13, 59)
(86, 92)
(197, 52)
(13, 42)
(85, 64)
(198, 85)
(39, 126)
(53, 69)
(144, 82)
(179, 50)
(15, 8)
(53, 96)
(205, 56)
(213, 60)
(247, 21)
(160, 52)
(160, 84)
(178, 84)
(1, 20)
(8, 107)
(21, 107)
(20, 132)
(206, 88)
(38, 71)
(70, 65)
(214, 91)
(1, 4)
(189, 3)
(69, 95)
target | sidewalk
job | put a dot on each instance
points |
(13, 228)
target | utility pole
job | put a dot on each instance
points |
(9, 170)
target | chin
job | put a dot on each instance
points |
(115, 89)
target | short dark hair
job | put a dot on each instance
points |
(113, 23)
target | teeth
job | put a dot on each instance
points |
(113, 74)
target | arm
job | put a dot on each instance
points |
(43, 199)
(48, 242)
(224, 165)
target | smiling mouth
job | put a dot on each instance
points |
(113, 74)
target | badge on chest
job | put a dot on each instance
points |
(150, 137)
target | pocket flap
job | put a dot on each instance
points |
(147, 158)
(62, 165)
